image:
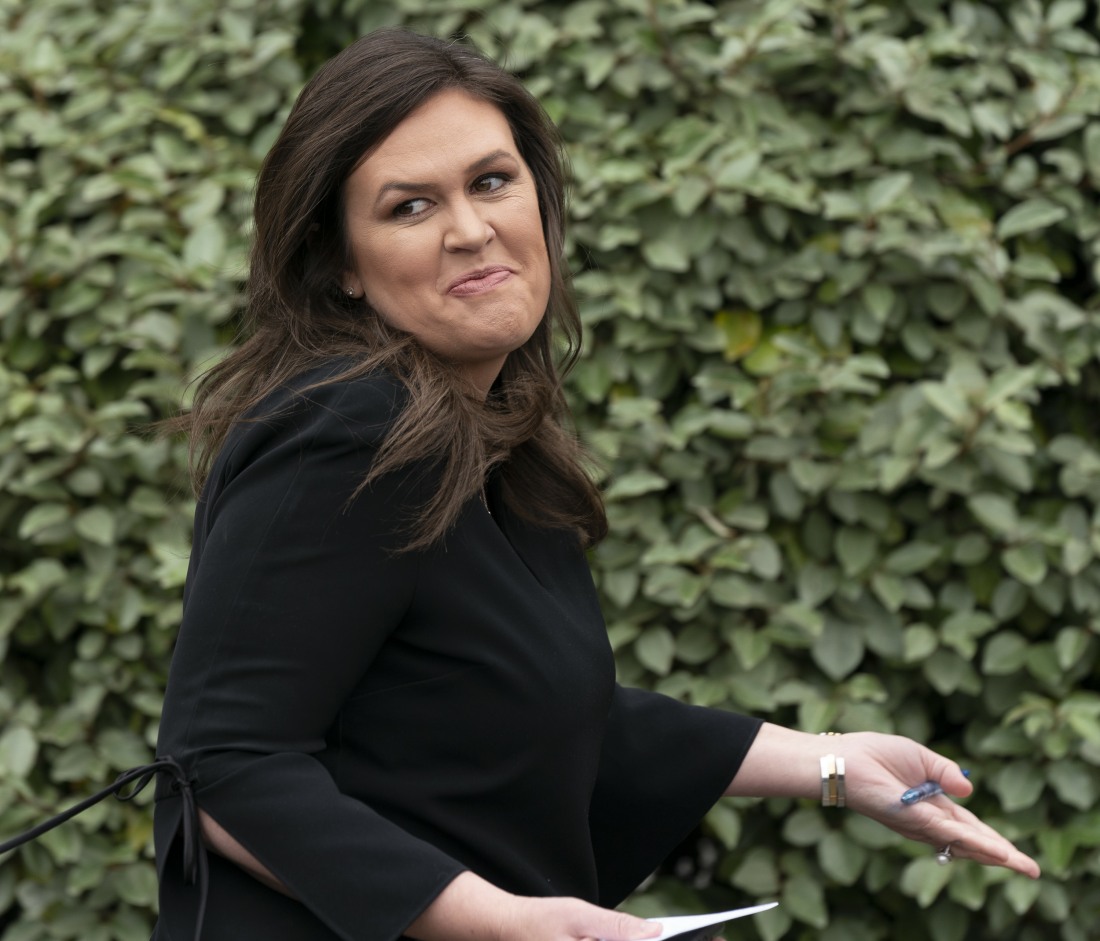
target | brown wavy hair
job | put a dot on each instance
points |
(297, 316)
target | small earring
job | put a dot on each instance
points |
(350, 292)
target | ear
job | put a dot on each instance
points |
(350, 286)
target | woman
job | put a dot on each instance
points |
(392, 698)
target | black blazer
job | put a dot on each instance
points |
(370, 724)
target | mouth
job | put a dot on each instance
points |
(479, 281)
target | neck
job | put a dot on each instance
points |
(481, 376)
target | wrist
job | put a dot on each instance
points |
(782, 762)
(468, 909)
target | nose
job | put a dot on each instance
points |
(467, 228)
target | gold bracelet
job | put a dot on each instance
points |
(828, 780)
(833, 790)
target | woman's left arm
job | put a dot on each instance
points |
(878, 770)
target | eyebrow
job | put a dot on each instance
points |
(482, 163)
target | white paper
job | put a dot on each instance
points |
(678, 924)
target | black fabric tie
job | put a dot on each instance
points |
(195, 863)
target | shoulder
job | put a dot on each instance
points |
(320, 410)
(362, 405)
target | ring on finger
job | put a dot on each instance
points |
(943, 857)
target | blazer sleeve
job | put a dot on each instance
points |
(293, 592)
(662, 767)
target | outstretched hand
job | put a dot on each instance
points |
(880, 768)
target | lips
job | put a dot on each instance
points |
(479, 281)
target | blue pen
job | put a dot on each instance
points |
(924, 791)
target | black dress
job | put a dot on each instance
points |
(370, 724)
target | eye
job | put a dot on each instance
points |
(490, 182)
(410, 208)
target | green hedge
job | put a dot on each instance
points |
(839, 264)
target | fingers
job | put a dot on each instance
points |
(940, 820)
(946, 772)
(570, 919)
(1008, 857)
(954, 782)
(972, 838)
(605, 925)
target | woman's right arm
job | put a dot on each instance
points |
(472, 909)
(217, 838)
(292, 593)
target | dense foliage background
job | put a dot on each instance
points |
(839, 264)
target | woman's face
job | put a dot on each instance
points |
(445, 234)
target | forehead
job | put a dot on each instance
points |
(451, 129)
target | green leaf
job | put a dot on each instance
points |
(1029, 216)
(655, 649)
(621, 585)
(1005, 653)
(98, 525)
(666, 254)
(1070, 646)
(1009, 599)
(742, 330)
(994, 512)
(840, 857)
(967, 888)
(1028, 563)
(889, 589)
(635, 484)
(960, 630)
(1075, 783)
(913, 557)
(696, 644)
(1018, 785)
(948, 401)
(122, 749)
(725, 821)
(1092, 150)
(923, 879)
(948, 673)
(765, 558)
(751, 646)
(887, 190)
(816, 584)
(838, 650)
(805, 827)
(137, 884)
(856, 549)
(1021, 892)
(18, 751)
(205, 246)
(920, 642)
(1064, 13)
(879, 300)
(870, 833)
(804, 899)
(1057, 847)
(42, 517)
(757, 874)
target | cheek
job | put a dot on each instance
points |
(392, 272)
(540, 252)
(545, 273)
